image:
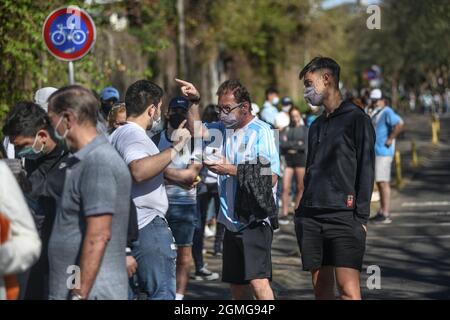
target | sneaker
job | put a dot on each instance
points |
(217, 254)
(205, 275)
(381, 218)
(208, 232)
(283, 220)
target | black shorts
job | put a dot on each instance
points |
(297, 160)
(247, 254)
(334, 241)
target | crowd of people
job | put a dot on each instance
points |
(108, 198)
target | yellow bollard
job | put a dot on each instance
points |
(434, 132)
(438, 126)
(398, 170)
(414, 157)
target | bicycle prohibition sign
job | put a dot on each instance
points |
(69, 33)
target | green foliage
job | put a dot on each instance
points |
(412, 46)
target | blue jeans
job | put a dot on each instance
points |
(155, 253)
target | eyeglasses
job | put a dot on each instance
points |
(226, 109)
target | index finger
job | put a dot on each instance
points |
(182, 82)
(181, 126)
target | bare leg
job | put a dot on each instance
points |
(323, 283)
(241, 292)
(184, 261)
(347, 280)
(299, 175)
(385, 197)
(261, 289)
(286, 195)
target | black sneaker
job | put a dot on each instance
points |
(204, 274)
(381, 218)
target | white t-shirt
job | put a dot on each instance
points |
(150, 198)
(177, 194)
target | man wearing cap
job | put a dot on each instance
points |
(387, 126)
(108, 97)
(180, 180)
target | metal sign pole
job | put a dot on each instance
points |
(71, 74)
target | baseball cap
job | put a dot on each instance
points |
(179, 102)
(41, 96)
(109, 93)
(286, 101)
(376, 94)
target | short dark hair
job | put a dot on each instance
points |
(140, 95)
(270, 91)
(26, 119)
(322, 63)
(210, 114)
(235, 87)
(77, 99)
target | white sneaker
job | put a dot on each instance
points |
(205, 274)
(208, 232)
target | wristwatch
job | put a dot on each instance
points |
(195, 100)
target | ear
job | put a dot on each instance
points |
(247, 108)
(43, 134)
(69, 118)
(326, 78)
(151, 110)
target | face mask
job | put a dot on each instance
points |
(176, 119)
(286, 108)
(155, 121)
(106, 107)
(30, 153)
(275, 101)
(314, 109)
(313, 97)
(57, 135)
(229, 120)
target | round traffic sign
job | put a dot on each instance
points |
(69, 33)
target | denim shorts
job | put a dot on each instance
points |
(182, 219)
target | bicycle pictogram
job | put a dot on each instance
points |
(64, 34)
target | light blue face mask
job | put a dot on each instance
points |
(31, 153)
(57, 135)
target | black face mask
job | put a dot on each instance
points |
(106, 108)
(176, 119)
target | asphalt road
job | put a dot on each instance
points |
(412, 253)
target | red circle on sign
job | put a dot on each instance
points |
(89, 41)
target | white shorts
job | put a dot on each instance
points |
(383, 169)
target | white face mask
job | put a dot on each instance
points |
(57, 135)
(286, 108)
(314, 109)
(275, 101)
(155, 121)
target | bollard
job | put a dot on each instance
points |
(398, 170)
(414, 157)
(434, 132)
(435, 128)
